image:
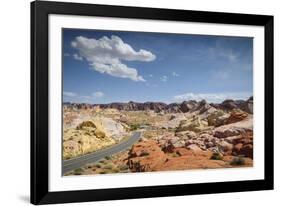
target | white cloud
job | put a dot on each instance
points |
(164, 78)
(98, 94)
(69, 94)
(151, 75)
(175, 74)
(77, 57)
(105, 55)
(213, 97)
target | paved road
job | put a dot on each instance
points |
(74, 163)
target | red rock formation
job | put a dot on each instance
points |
(244, 145)
(236, 116)
(145, 156)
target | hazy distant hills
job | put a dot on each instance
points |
(185, 106)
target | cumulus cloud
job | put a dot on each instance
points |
(69, 94)
(164, 78)
(213, 97)
(77, 57)
(105, 55)
(98, 94)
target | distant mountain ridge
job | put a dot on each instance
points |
(185, 106)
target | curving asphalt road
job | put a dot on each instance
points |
(71, 164)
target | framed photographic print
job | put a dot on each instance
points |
(133, 102)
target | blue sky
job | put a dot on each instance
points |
(111, 66)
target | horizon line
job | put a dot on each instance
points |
(175, 102)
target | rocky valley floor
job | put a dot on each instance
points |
(190, 135)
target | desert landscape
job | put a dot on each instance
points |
(147, 102)
(155, 136)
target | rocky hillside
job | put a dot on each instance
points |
(91, 135)
(185, 106)
(197, 144)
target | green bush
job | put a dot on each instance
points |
(108, 167)
(98, 165)
(144, 153)
(238, 161)
(216, 156)
(115, 170)
(134, 127)
(78, 171)
(107, 157)
(176, 154)
(124, 167)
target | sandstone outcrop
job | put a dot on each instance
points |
(90, 136)
(236, 116)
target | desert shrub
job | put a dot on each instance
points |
(238, 161)
(78, 171)
(213, 118)
(124, 167)
(144, 153)
(134, 127)
(107, 157)
(115, 170)
(108, 167)
(103, 172)
(98, 165)
(86, 124)
(175, 154)
(216, 156)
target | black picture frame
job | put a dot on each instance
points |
(39, 102)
